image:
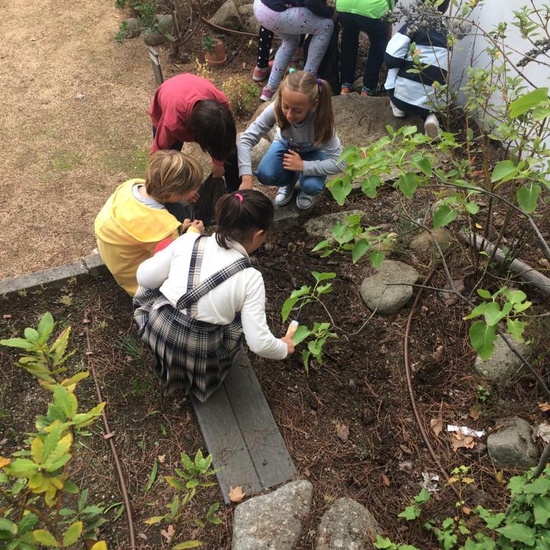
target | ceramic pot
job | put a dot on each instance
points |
(218, 57)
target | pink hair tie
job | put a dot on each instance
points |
(239, 196)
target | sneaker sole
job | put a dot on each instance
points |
(260, 78)
(286, 201)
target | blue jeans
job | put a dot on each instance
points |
(271, 172)
(377, 31)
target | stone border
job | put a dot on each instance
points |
(55, 276)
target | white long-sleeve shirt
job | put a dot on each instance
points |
(301, 136)
(243, 292)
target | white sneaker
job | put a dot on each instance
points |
(303, 201)
(397, 113)
(284, 195)
(431, 126)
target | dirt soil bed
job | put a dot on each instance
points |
(76, 126)
(349, 424)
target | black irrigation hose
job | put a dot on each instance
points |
(108, 435)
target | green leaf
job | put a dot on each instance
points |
(45, 327)
(518, 532)
(376, 258)
(484, 293)
(65, 400)
(340, 188)
(72, 534)
(8, 526)
(492, 313)
(370, 186)
(320, 246)
(17, 343)
(528, 196)
(528, 101)
(425, 165)
(27, 523)
(323, 276)
(410, 513)
(31, 334)
(176, 483)
(482, 338)
(504, 170)
(516, 329)
(360, 248)
(45, 538)
(407, 184)
(153, 520)
(22, 467)
(541, 510)
(188, 544)
(444, 215)
(152, 476)
(301, 334)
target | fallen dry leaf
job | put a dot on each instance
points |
(161, 458)
(385, 480)
(169, 533)
(474, 414)
(437, 425)
(236, 494)
(342, 431)
(459, 441)
(405, 449)
(544, 407)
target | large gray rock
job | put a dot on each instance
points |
(390, 288)
(347, 525)
(512, 444)
(504, 364)
(274, 521)
(250, 23)
(362, 120)
(227, 16)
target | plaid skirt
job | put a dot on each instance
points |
(192, 355)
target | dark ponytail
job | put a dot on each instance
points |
(241, 213)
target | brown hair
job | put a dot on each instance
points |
(320, 96)
(241, 213)
(172, 172)
(213, 127)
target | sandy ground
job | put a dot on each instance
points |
(74, 125)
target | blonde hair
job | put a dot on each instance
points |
(172, 173)
(319, 94)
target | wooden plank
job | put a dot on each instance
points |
(155, 61)
(260, 432)
(226, 445)
(242, 435)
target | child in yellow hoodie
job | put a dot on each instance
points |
(142, 213)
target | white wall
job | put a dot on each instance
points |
(487, 15)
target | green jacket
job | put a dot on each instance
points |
(373, 9)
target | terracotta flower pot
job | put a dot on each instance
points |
(217, 57)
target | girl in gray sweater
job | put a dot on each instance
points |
(306, 147)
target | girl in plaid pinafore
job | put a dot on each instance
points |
(199, 296)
